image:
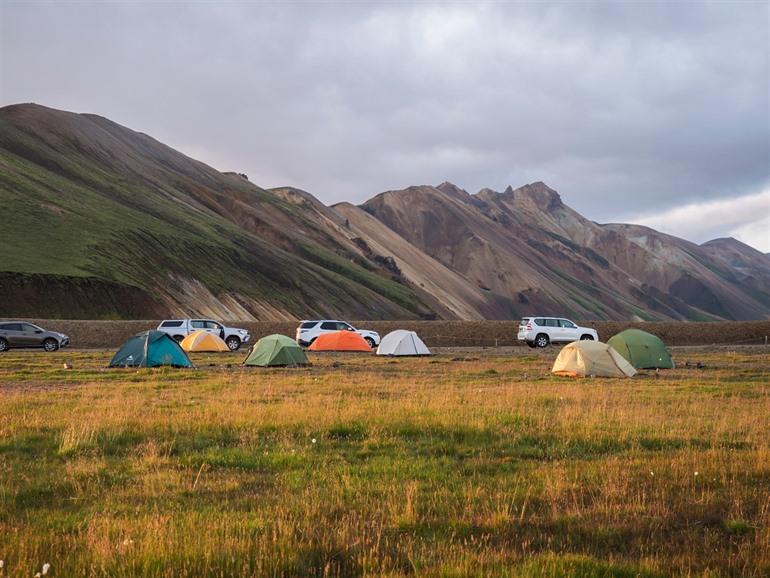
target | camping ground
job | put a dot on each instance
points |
(473, 462)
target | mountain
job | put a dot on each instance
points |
(105, 221)
(528, 245)
(101, 221)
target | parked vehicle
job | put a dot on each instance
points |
(181, 328)
(541, 331)
(310, 329)
(23, 334)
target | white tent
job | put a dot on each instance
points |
(402, 342)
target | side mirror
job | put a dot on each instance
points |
(38, 331)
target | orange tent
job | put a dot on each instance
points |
(202, 341)
(340, 341)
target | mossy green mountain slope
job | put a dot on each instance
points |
(86, 200)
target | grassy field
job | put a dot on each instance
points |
(469, 463)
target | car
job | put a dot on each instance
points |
(23, 334)
(541, 331)
(309, 329)
(181, 328)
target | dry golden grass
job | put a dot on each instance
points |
(472, 463)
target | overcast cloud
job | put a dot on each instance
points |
(631, 110)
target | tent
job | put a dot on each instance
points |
(150, 349)
(641, 349)
(274, 351)
(340, 341)
(402, 342)
(203, 341)
(581, 358)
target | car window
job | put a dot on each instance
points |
(213, 325)
(568, 324)
(523, 322)
(308, 324)
(540, 322)
(29, 327)
(171, 324)
(551, 322)
(344, 327)
(198, 324)
(329, 325)
(12, 327)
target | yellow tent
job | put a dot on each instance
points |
(202, 341)
(581, 358)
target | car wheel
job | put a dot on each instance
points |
(233, 343)
(370, 341)
(50, 344)
(3, 344)
(586, 337)
(542, 340)
(179, 338)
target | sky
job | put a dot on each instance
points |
(649, 112)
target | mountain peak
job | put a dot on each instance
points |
(452, 189)
(543, 196)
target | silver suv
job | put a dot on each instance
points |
(540, 331)
(310, 329)
(23, 334)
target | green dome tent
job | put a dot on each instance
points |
(150, 349)
(641, 349)
(274, 351)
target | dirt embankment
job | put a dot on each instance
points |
(435, 333)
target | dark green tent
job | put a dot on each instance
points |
(150, 349)
(641, 349)
(276, 350)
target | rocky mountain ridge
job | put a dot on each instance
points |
(103, 221)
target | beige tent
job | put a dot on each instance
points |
(202, 341)
(594, 358)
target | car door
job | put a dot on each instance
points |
(197, 325)
(11, 333)
(215, 328)
(569, 330)
(553, 329)
(30, 336)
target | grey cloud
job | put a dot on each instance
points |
(617, 105)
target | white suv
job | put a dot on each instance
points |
(309, 330)
(181, 328)
(540, 331)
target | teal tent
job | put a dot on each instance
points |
(150, 349)
(274, 351)
(641, 349)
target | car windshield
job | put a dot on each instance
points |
(523, 322)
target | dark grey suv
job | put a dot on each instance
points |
(23, 334)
